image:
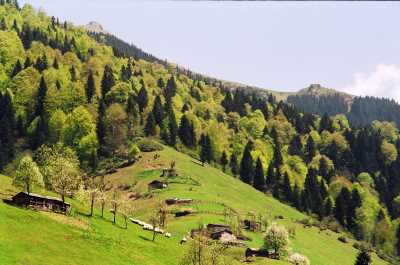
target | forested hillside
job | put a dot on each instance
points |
(360, 111)
(72, 104)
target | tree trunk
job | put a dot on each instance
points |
(28, 188)
(102, 210)
(154, 233)
(126, 223)
(91, 206)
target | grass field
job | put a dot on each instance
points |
(29, 237)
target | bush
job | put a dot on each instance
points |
(298, 259)
(148, 145)
(343, 239)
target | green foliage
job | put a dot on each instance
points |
(148, 145)
(28, 174)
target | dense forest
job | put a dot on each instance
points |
(360, 111)
(68, 98)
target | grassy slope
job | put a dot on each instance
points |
(29, 237)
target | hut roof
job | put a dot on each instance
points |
(34, 195)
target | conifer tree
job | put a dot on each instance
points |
(55, 63)
(206, 151)
(186, 132)
(42, 92)
(28, 62)
(363, 258)
(90, 87)
(72, 71)
(150, 128)
(310, 149)
(158, 111)
(259, 179)
(324, 169)
(170, 89)
(42, 63)
(7, 124)
(287, 188)
(142, 98)
(246, 165)
(271, 179)
(107, 81)
(161, 83)
(224, 160)
(295, 147)
(398, 240)
(341, 201)
(233, 164)
(17, 69)
(325, 124)
(101, 127)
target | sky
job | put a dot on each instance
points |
(285, 46)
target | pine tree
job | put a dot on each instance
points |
(42, 92)
(170, 89)
(101, 127)
(310, 149)
(42, 63)
(296, 196)
(246, 165)
(224, 160)
(295, 147)
(351, 209)
(186, 132)
(150, 128)
(72, 71)
(363, 258)
(55, 64)
(206, 151)
(341, 201)
(17, 69)
(90, 87)
(142, 98)
(28, 62)
(259, 178)
(161, 83)
(107, 81)
(158, 111)
(271, 180)
(398, 240)
(328, 207)
(7, 125)
(324, 169)
(233, 164)
(287, 188)
(40, 133)
(278, 159)
(325, 124)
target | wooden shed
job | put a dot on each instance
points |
(45, 203)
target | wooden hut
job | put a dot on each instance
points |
(44, 203)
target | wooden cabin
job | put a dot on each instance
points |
(156, 185)
(251, 225)
(40, 202)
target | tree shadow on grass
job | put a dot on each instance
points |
(145, 238)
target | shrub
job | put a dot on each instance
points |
(298, 259)
(148, 145)
(277, 240)
(343, 239)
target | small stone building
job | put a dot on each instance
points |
(251, 225)
(40, 202)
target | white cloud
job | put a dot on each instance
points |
(384, 81)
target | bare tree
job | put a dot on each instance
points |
(115, 203)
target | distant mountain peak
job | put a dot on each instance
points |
(95, 27)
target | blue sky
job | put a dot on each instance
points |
(351, 46)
